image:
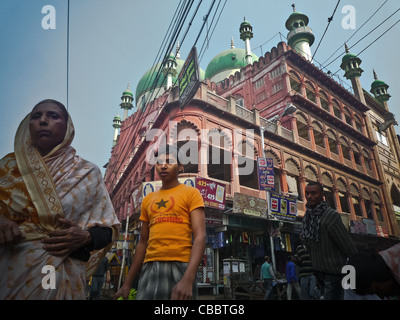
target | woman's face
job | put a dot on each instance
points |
(47, 127)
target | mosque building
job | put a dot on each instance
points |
(279, 106)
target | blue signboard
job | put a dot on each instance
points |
(266, 179)
(283, 207)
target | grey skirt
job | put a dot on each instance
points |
(158, 278)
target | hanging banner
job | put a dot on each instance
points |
(266, 178)
(189, 78)
(213, 193)
(283, 207)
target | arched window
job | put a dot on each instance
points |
(327, 182)
(347, 116)
(356, 154)
(355, 198)
(318, 134)
(310, 174)
(378, 206)
(310, 92)
(295, 82)
(342, 192)
(219, 155)
(345, 148)
(358, 123)
(367, 159)
(246, 161)
(367, 202)
(323, 97)
(302, 126)
(292, 178)
(332, 142)
(336, 110)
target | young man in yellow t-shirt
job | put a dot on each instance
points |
(172, 241)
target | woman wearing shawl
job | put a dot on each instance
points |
(55, 213)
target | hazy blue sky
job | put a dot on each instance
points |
(113, 42)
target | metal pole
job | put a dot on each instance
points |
(271, 240)
(124, 251)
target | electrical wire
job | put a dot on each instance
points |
(355, 32)
(326, 29)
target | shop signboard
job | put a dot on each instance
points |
(266, 178)
(358, 227)
(371, 227)
(249, 205)
(213, 193)
(382, 232)
(189, 78)
(282, 207)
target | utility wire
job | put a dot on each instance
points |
(364, 36)
(375, 40)
(326, 29)
(341, 46)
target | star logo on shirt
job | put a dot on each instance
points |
(162, 203)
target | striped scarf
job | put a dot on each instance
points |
(311, 223)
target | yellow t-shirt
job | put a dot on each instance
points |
(170, 230)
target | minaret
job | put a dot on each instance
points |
(169, 70)
(379, 90)
(351, 66)
(127, 99)
(300, 37)
(246, 33)
(116, 125)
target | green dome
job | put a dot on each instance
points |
(378, 83)
(127, 93)
(349, 56)
(146, 83)
(231, 59)
(296, 16)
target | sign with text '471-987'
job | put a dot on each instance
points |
(189, 78)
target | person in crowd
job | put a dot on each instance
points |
(56, 218)
(291, 277)
(328, 242)
(171, 218)
(306, 273)
(98, 280)
(377, 273)
(267, 275)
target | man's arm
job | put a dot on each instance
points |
(183, 289)
(137, 262)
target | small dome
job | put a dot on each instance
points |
(147, 82)
(296, 16)
(128, 92)
(349, 56)
(229, 60)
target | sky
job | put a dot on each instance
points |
(114, 42)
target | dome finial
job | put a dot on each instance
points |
(232, 44)
(346, 48)
(294, 7)
(375, 76)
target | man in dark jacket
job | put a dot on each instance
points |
(328, 241)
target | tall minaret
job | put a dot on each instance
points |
(169, 69)
(116, 125)
(300, 37)
(379, 90)
(246, 33)
(127, 99)
(351, 66)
